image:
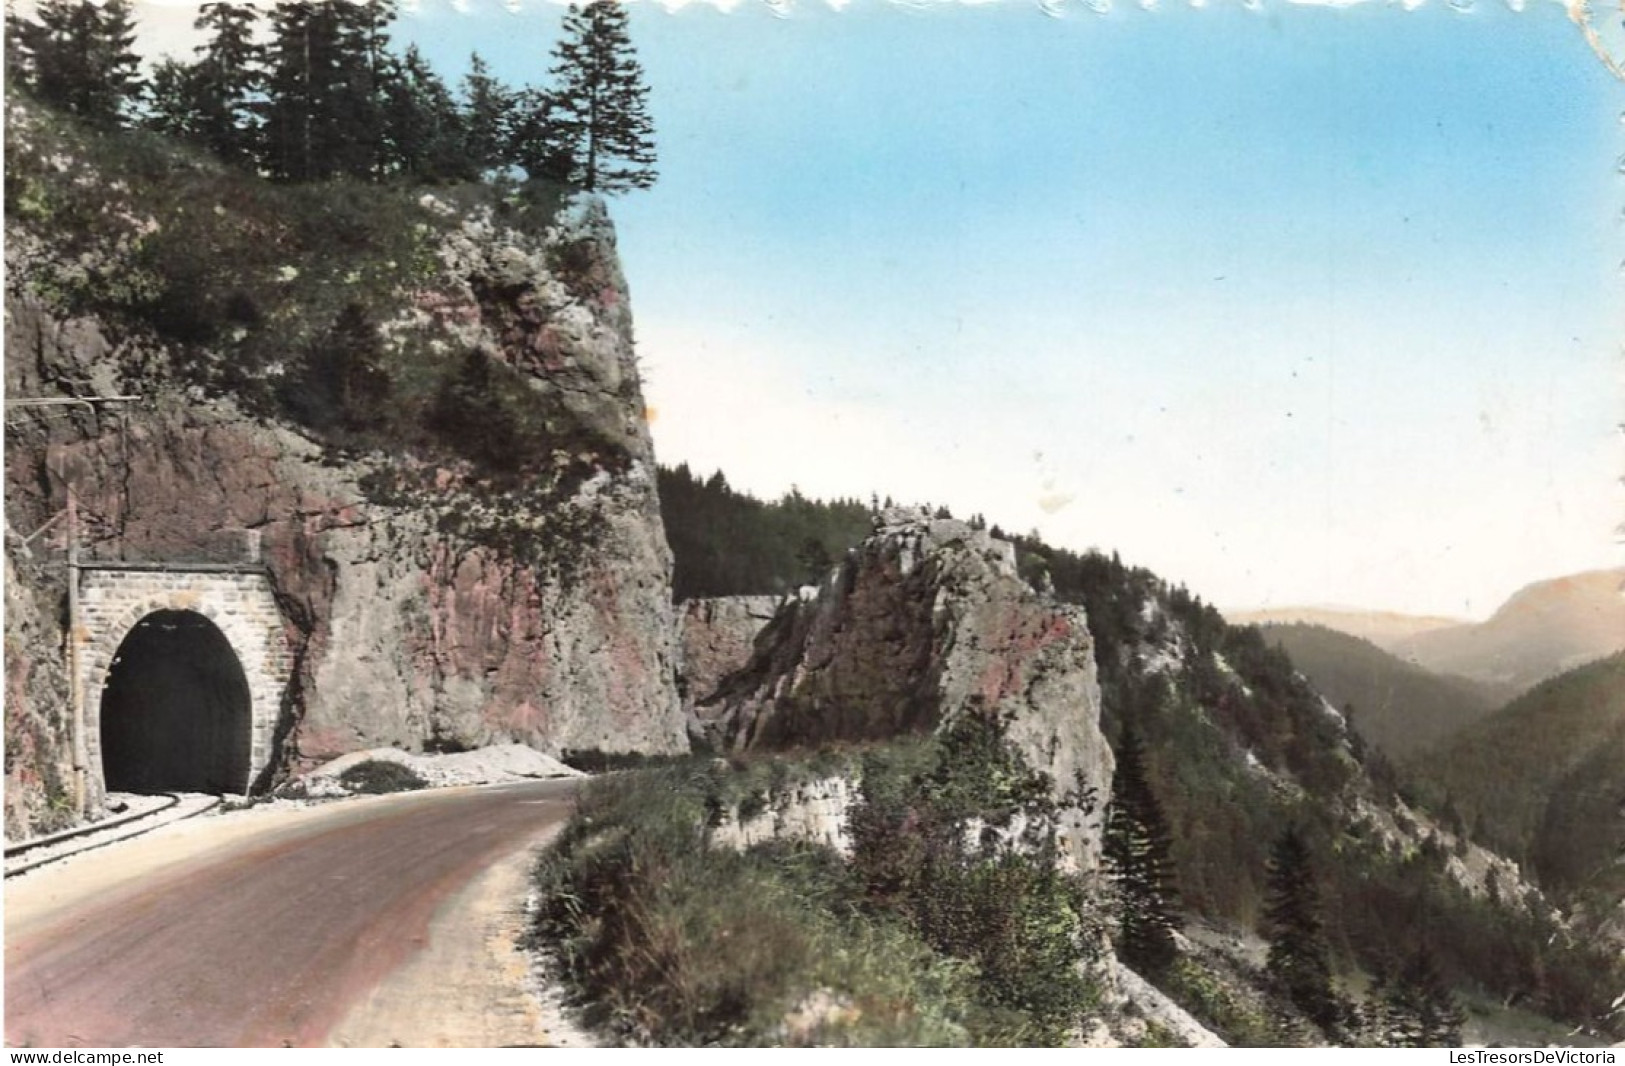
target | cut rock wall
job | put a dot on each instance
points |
(407, 625)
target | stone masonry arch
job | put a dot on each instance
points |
(114, 599)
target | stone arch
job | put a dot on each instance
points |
(239, 605)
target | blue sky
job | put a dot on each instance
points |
(1290, 303)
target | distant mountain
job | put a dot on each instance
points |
(1382, 628)
(1543, 779)
(1543, 630)
(1397, 706)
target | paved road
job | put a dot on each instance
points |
(267, 940)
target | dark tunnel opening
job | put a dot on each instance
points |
(175, 709)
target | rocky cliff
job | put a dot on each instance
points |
(435, 592)
(715, 637)
(925, 622)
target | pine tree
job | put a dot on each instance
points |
(1298, 965)
(227, 81)
(423, 129)
(1377, 1019)
(341, 384)
(487, 113)
(78, 55)
(171, 100)
(298, 85)
(602, 101)
(1137, 847)
(362, 66)
(1421, 1010)
(539, 141)
(326, 66)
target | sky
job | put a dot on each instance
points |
(1292, 304)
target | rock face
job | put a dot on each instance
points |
(715, 637)
(423, 606)
(926, 621)
(39, 757)
(814, 811)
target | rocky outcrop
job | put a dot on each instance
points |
(927, 621)
(715, 638)
(426, 603)
(814, 812)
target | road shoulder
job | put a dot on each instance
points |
(471, 984)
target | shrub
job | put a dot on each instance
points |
(998, 902)
(669, 943)
(597, 761)
(1225, 1003)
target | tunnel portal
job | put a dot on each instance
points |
(175, 711)
(182, 677)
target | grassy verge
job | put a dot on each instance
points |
(924, 936)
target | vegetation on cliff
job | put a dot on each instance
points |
(337, 307)
(948, 925)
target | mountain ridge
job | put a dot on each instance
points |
(1374, 626)
(1543, 629)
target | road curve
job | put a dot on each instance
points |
(265, 941)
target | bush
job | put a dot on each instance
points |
(596, 761)
(997, 902)
(381, 775)
(1225, 1003)
(669, 943)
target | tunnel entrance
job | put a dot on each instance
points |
(175, 713)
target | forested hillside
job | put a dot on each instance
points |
(729, 543)
(1544, 778)
(1238, 748)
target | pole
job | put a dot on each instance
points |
(80, 756)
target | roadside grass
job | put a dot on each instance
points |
(669, 942)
